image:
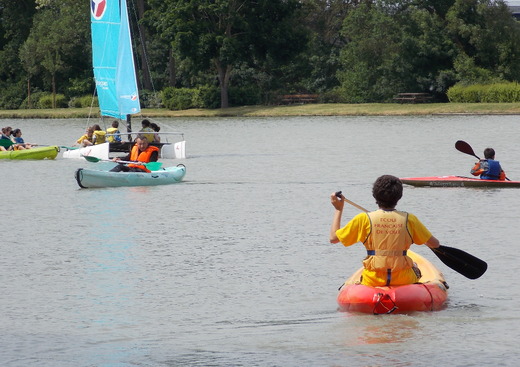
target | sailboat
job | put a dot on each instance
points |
(114, 73)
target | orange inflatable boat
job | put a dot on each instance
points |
(428, 295)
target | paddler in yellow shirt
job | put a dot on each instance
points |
(386, 233)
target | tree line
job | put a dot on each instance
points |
(252, 51)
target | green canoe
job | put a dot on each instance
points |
(33, 153)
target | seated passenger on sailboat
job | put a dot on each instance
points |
(156, 128)
(86, 139)
(99, 135)
(113, 133)
(147, 130)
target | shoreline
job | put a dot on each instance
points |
(331, 109)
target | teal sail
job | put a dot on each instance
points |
(112, 59)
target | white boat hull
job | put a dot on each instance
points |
(99, 151)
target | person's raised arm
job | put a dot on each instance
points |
(337, 203)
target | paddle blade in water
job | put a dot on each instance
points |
(460, 261)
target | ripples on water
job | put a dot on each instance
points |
(233, 267)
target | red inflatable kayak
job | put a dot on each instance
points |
(429, 295)
(457, 181)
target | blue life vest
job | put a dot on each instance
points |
(493, 171)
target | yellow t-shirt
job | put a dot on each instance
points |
(358, 229)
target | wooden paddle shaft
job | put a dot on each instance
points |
(339, 195)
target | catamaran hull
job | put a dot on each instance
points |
(33, 153)
(87, 178)
(99, 151)
(429, 295)
(457, 181)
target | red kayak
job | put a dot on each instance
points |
(428, 295)
(457, 181)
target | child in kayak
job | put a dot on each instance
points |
(488, 168)
(141, 153)
(17, 139)
(386, 233)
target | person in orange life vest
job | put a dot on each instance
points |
(141, 152)
(488, 168)
(386, 234)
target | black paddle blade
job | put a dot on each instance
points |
(464, 147)
(460, 261)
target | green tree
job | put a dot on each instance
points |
(324, 19)
(57, 43)
(426, 46)
(371, 58)
(487, 39)
(15, 24)
(221, 35)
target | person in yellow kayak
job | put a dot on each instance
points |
(488, 168)
(386, 233)
(6, 143)
(17, 139)
(141, 152)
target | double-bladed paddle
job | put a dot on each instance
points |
(152, 166)
(464, 147)
(466, 264)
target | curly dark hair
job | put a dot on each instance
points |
(387, 191)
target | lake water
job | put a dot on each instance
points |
(233, 267)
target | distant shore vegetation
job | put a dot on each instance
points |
(253, 53)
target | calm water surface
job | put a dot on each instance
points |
(233, 267)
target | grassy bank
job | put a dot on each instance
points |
(365, 109)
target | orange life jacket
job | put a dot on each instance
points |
(143, 156)
(388, 241)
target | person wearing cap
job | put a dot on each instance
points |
(488, 168)
(386, 233)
